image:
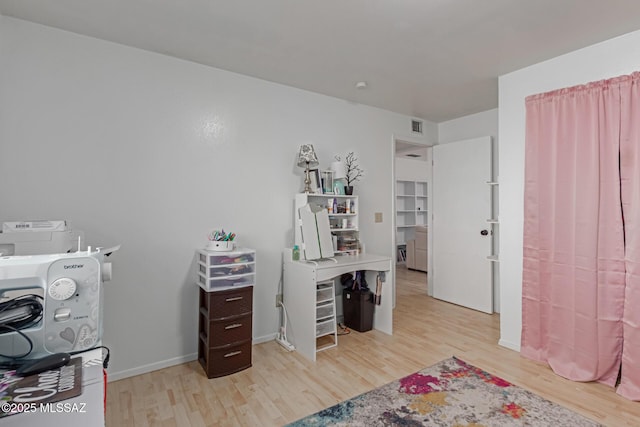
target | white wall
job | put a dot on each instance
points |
(478, 125)
(608, 59)
(153, 152)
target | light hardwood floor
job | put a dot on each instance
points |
(282, 387)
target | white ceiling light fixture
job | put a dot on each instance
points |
(361, 85)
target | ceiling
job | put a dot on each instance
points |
(431, 59)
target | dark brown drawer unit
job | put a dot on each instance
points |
(225, 330)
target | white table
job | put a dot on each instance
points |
(299, 294)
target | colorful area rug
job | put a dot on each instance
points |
(449, 393)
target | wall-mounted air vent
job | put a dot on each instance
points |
(416, 126)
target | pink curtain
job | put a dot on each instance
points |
(630, 191)
(581, 266)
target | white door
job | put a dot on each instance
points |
(462, 237)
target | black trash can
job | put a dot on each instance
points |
(357, 307)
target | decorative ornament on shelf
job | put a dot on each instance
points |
(352, 172)
(307, 158)
(220, 241)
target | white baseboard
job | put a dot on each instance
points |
(265, 338)
(509, 345)
(115, 376)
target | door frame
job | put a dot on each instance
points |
(422, 142)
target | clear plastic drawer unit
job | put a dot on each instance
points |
(226, 270)
(326, 331)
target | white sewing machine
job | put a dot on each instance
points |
(59, 288)
(69, 288)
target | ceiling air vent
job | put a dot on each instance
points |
(416, 126)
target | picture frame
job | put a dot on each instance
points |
(316, 183)
(327, 182)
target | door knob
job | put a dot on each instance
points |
(484, 232)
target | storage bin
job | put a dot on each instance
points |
(358, 309)
(323, 311)
(219, 362)
(324, 293)
(227, 303)
(326, 327)
(229, 331)
(228, 270)
(217, 271)
(225, 319)
(236, 257)
(225, 283)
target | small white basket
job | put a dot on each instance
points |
(219, 245)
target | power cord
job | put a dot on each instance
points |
(343, 329)
(20, 313)
(105, 361)
(15, 364)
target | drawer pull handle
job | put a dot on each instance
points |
(233, 353)
(233, 299)
(235, 325)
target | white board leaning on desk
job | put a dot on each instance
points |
(316, 232)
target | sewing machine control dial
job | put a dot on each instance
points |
(62, 289)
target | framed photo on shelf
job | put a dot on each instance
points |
(327, 182)
(316, 184)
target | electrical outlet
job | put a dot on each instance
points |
(278, 300)
(378, 217)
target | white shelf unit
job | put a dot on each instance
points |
(343, 223)
(411, 210)
(326, 330)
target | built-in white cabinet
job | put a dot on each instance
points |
(411, 211)
(343, 220)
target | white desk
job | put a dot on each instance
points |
(89, 405)
(299, 294)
